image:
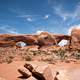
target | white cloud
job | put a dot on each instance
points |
(63, 42)
(46, 16)
(70, 28)
(27, 15)
(75, 15)
(29, 19)
(64, 15)
(39, 32)
(12, 31)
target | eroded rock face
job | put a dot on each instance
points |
(24, 71)
(75, 39)
(59, 37)
(44, 40)
(62, 75)
(43, 72)
(13, 41)
(30, 66)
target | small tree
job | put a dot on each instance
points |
(61, 53)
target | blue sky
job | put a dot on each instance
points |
(34, 16)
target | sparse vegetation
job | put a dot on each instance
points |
(28, 58)
(55, 51)
(9, 61)
(11, 57)
(67, 61)
(34, 53)
(79, 51)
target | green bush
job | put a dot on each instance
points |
(28, 58)
(34, 53)
(11, 57)
(9, 61)
(66, 55)
(55, 51)
(79, 51)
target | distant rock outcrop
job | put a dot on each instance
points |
(42, 40)
(74, 42)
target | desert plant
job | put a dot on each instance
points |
(61, 53)
(79, 51)
(73, 54)
(27, 49)
(55, 51)
(49, 59)
(34, 53)
(67, 61)
(25, 53)
(11, 57)
(28, 58)
(9, 61)
(66, 56)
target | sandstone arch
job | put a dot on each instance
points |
(8, 40)
(59, 37)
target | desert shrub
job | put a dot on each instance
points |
(9, 61)
(49, 60)
(79, 51)
(61, 53)
(39, 52)
(45, 52)
(27, 49)
(55, 51)
(3, 53)
(11, 57)
(67, 61)
(73, 54)
(25, 53)
(77, 57)
(66, 55)
(34, 53)
(28, 58)
(20, 49)
(31, 51)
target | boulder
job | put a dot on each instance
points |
(46, 40)
(43, 72)
(24, 71)
(30, 66)
(75, 39)
(62, 75)
(2, 78)
(32, 78)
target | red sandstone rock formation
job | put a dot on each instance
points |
(75, 39)
(45, 39)
(59, 37)
(13, 41)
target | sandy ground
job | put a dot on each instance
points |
(9, 71)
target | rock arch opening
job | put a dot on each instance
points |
(22, 44)
(63, 42)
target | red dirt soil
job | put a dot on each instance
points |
(9, 71)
